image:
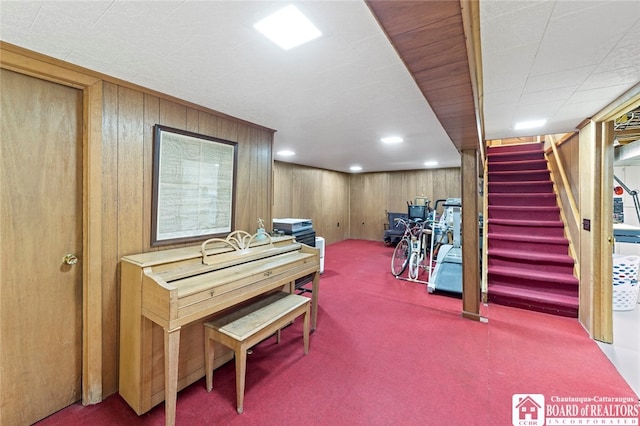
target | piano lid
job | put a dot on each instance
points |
(183, 254)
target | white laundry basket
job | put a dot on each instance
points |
(625, 282)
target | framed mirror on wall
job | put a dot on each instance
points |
(193, 186)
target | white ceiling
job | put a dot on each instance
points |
(333, 99)
(562, 60)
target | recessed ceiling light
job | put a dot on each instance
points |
(286, 153)
(288, 28)
(430, 163)
(355, 168)
(392, 139)
(533, 124)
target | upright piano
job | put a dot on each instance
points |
(166, 296)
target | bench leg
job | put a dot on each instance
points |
(241, 369)
(305, 330)
(209, 356)
(315, 289)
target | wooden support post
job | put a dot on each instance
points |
(603, 245)
(470, 238)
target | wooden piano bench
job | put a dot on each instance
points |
(248, 326)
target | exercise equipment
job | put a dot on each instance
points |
(416, 209)
(634, 195)
(446, 272)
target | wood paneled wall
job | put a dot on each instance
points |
(128, 113)
(512, 141)
(373, 194)
(357, 202)
(128, 119)
(316, 194)
(569, 153)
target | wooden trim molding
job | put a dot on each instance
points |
(92, 245)
(12, 59)
(583, 123)
(603, 329)
(602, 310)
(627, 101)
(602, 326)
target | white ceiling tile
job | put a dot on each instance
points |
(557, 54)
(602, 18)
(500, 81)
(619, 77)
(558, 80)
(522, 26)
(600, 95)
(515, 60)
(131, 19)
(567, 117)
(625, 54)
(548, 95)
(498, 131)
(502, 113)
(562, 9)
(538, 111)
(581, 39)
(499, 9)
(85, 13)
(496, 98)
(567, 125)
(17, 14)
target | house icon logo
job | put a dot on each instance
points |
(527, 409)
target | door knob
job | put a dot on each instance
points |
(70, 259)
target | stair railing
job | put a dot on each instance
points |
(485, 227)
(573, 207)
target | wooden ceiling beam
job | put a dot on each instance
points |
(429, 37)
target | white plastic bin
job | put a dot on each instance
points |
(320, 245)
(625, 282)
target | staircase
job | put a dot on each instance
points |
(528, 263)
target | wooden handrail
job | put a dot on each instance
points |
(572, 203)
(565, 181)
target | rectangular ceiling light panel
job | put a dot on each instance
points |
(533, 124)
(288, 28)
(392, 139)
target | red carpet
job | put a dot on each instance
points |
(528, 264)
(386, 352)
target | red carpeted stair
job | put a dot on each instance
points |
(528, 262)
